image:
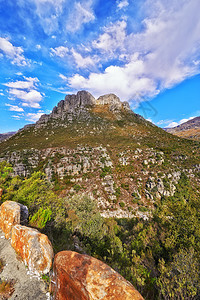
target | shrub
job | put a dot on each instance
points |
(40, 218)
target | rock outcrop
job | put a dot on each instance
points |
(82, 277)
(11, 214)
(33, 247)
(75, 105)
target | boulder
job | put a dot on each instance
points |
(82, 277)
(33, 247)
(12, 213)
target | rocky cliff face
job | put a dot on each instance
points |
(77, 106)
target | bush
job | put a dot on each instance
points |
(40, 218)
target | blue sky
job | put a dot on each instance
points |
(146, 51)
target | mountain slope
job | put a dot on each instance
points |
(188, 130)
(100, 146)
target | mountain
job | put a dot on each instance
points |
(6, 135)
(188, 130)
(102, 148)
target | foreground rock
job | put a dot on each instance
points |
(82, 277)
(12, 213)
(33, 247)
(26, 287)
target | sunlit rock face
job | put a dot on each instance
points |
(77, 106)
(34, 248)
(78, 276)
(12, 213)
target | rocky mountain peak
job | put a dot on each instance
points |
(75, 105)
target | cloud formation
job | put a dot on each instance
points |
(34, 117)
(80, 14)
(15, 54)
(174, 124)
(15, 108)
(60, 51)
(156, 57)
(25, 91)
(122, 4)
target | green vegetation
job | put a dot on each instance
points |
(159, 256)
(40, 218)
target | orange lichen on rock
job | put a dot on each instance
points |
(82, 277)
(9, 216)
(33, 247)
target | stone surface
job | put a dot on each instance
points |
(12, 213)
(81, 277)
(33, 247)
(26, 286)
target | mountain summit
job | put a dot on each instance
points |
(77, 106)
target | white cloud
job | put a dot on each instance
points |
(174, 124)
(48, 12)
(80, 14)
(82, 62)
(25, 91)
(122, 4)
(38, 47)
(17, 117)
(163, 53)
(15, 54)
(113, 37)
(33, 117)
(164, 122)
(63, 77)
(19, 73)
(28, 83)
(60, 51)
(2, 94)
(15, 108)
(124, 81)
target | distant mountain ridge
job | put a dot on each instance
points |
(189, 129)
(4, 136)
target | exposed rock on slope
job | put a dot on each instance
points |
(188, 130)
(78, 276)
